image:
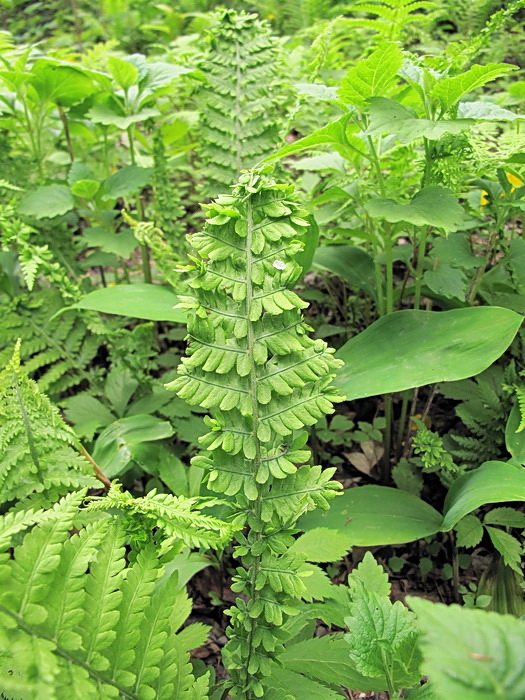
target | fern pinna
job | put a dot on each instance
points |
(253, 364)
(237, 126)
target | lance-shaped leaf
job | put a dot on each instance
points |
(432, 206)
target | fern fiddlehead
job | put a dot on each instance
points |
(237, 128)
(251, 362)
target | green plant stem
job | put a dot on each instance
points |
(389, 270)
(402, 424)
(144, 250)
(387, 436)
(254, 571)
(63, 119)
(422, 244)
(455, 566)
(32, 139)
(493, 237)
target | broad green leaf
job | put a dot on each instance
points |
(283, 684)
(326, 161)
(351, 263)
(339, 135)
(148, 301)
(493, 482)
(122, 244)
(376, 515)
(310, 239)
(413, 348)
(455, 250)
(327, 659)
(432, 206)
(47, 202)
(508, 546)
(126, 181)
(486, 111)
(102, 114)
(471, 654)
(390, 117)
(317, 90)
(469, 531)
(114, 446)
(160, 73)
(514, 441)
(64, 85)
(372, 76)
(119, 387)
(86, 189)
(123, 73)
(447, 282)
(450, 90)
(322, 545)
(87, 414)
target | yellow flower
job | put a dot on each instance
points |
(514, 181)
(484, 199)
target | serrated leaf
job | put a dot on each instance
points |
(471, 654)
(371, 575)
(372, 76)
(508, 546)
(432, 206)
(47, 202)
(469, 531)
(450, 90)
(447, 281)
(508, 517)
(127, 180)
(123, 72)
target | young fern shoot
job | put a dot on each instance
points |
(251, 362)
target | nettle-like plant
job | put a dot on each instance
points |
(253, 364)
(238, 126)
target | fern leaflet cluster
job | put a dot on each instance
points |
(253, 365)
(57, 351)
(38, 451)
(238, 129)
(78, 621)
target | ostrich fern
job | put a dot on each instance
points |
(237, 129)
(252, 363)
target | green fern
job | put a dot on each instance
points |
(176, 517)
(392, 17)
(238, 127)
(78, 621)
(39, 453)
(252, 363)
(56, 351)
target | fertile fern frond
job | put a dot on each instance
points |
(238, 126)
(78, 621)
(58, 350)
(38, 451)
(251, 362)
(391, 16)
(177, 517)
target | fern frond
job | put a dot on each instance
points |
(391, 16)
(251, 362)
(37, 449)
(58, 350)
(178, 518)
(238, 128)
(77, 621)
